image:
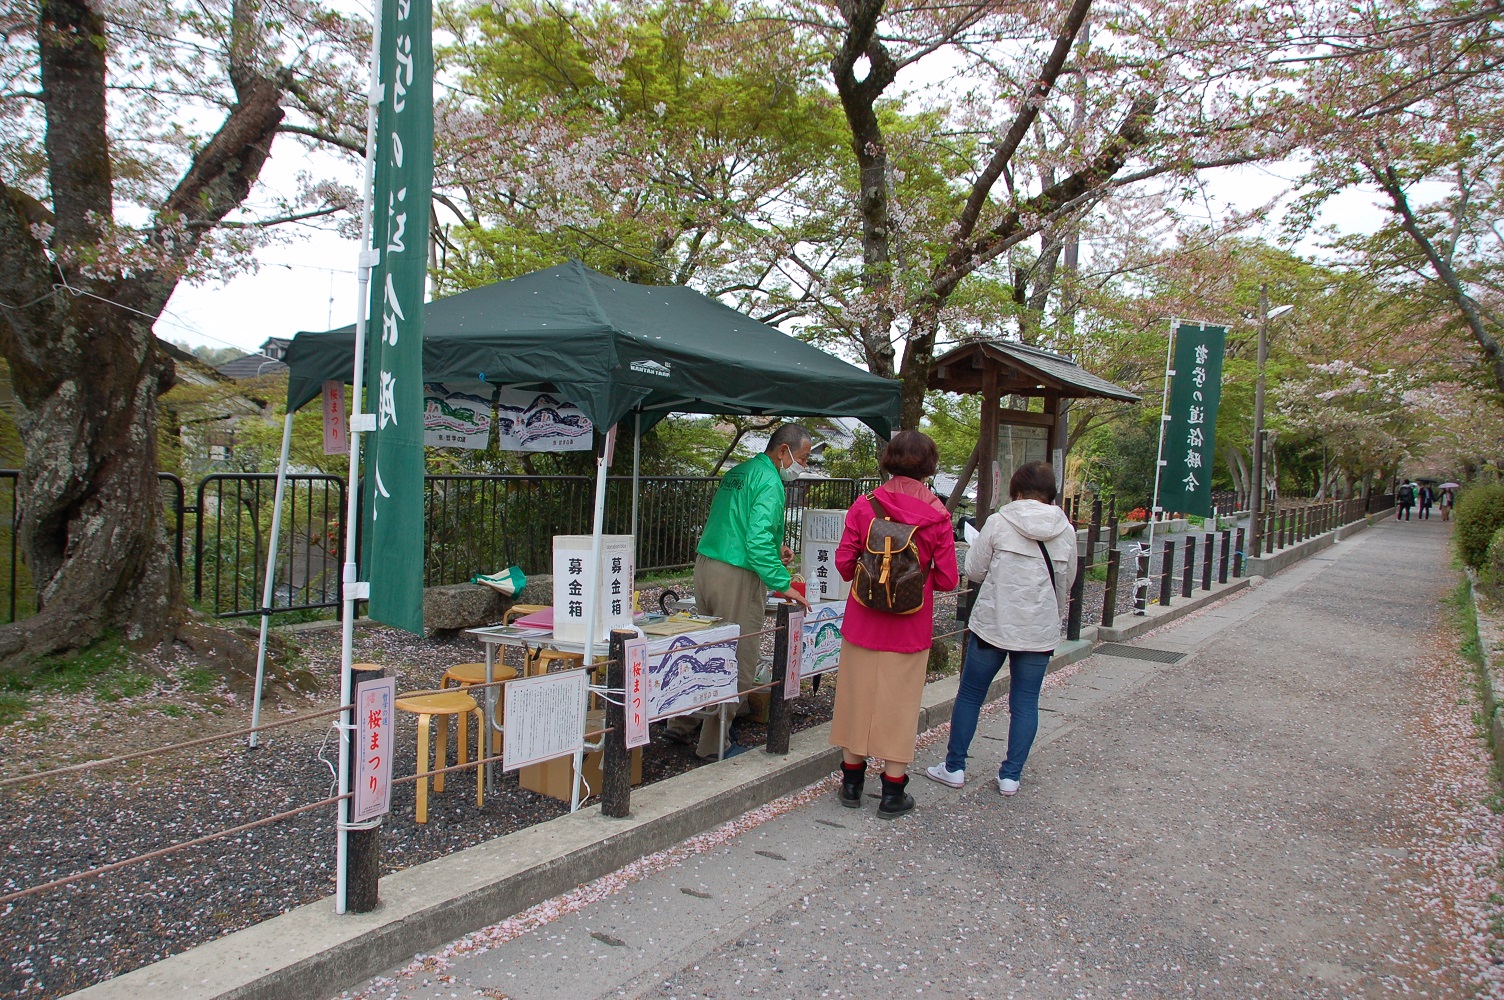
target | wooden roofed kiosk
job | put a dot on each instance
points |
(1009, 438)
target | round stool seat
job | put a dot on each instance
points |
(448, 703)
(522, 611)
(475, 673)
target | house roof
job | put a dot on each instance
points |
(251, 366)
(1022, 371)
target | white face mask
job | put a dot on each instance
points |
(793, 470)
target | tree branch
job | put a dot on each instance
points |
(1002, 154)
(353, 145)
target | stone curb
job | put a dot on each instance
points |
(310, 952)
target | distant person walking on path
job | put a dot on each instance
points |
(1406, 499)
(884, 655)
(1025, 559)
(741, 556)
(1446, 505)
(1427, 497)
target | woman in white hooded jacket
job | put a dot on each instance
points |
(1025, 560)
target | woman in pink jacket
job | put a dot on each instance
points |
(884, 656)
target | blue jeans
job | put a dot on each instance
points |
(1025, 678)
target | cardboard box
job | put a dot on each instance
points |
(555, 778)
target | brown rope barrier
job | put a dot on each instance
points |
(89, 765)
(165, 851)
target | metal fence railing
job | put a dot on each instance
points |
(473, 524)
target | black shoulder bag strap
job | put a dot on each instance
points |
(1054, 587)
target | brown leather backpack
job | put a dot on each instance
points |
(889, 574)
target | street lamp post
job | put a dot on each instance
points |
(1256, 500)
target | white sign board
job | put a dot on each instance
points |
(822, 639)
(455, 419)
(544, 718)
(336, 428)
(573, 577)
(635, 696)
(819, 536)
(795, 640)
(373, 747)
(538, 421)
(686, 672)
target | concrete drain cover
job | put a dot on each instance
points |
(1139, 652)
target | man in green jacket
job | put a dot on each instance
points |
(742, 557)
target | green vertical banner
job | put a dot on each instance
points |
(393, 481)
(1185, 480)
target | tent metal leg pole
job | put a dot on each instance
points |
(271, 569)
(636, 471)
(593, 595)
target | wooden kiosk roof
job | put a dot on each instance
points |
(1019, 370)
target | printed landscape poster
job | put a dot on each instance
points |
(688, 671)
(540, 421)
(454, 418)
(822, 638)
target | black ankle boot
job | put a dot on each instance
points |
(852, 777)
(895, 801)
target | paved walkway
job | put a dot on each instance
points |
(1217, 827)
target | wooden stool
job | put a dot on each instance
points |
(425, 707)
(465, 674)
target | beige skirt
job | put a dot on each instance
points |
(877, 702)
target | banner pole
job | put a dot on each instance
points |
(271, 568)
(350, 589)
(1164, 416)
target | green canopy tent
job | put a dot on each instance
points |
(613, 348)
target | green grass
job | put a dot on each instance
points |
(105, 669)
(197, 679)
(1097, 573)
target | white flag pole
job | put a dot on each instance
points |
(360, 422)
(271, 569)
(593, 592)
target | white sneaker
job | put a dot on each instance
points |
(1007, 786)
(938, 772)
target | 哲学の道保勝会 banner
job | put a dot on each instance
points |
(393, 530)
(1185, 480)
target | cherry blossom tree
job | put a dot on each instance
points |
(132, 139)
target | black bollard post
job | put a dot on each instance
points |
(616, 759)
(1141, 581)
(1110, 594)
(1166, 573)
(1237, 554)
(363, 847)
(1188, 571)
(1094, 532)
(1207, 560)
(1226, 547)
(1078, 589)
(780, 718)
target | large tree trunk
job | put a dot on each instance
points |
(91, 530)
